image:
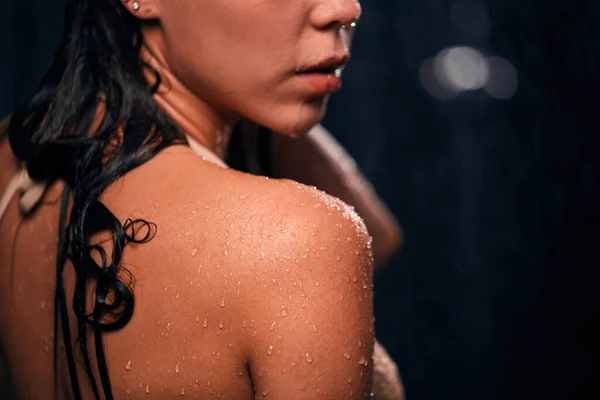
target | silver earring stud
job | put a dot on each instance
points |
(136, 6)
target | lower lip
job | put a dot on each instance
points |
(321, 83)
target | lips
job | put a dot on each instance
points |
(329, 65)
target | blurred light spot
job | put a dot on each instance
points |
(460, 69)
(431, 83)
(472, 18)
(503, 78)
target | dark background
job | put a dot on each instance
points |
(493, 295)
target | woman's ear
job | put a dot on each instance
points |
(143, 9)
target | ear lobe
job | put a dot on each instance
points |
(143, 9)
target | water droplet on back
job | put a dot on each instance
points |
(176, 368)
(195, 252)
(147, 389)
(222, 302)
(270, 350)
(347, 356)
(128, 366)
(308, 358)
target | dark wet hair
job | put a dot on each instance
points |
(92, 120)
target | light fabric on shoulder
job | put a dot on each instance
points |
(30, 192)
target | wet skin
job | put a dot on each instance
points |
(250, 285)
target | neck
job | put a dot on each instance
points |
(196, 118)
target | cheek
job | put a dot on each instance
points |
(235, 54)
(235, 43)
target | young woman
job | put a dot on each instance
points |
(241, 286)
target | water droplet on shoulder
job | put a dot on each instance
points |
(308, 358)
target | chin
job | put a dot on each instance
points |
(302, 120)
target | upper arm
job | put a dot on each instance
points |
(310, 314)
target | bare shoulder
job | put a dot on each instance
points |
(307, 293)
(288, 221)
(293, 210)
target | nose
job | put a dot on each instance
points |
(335, 13)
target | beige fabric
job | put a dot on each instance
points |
(205, 153)
(31, 192)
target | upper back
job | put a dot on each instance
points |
(232, 256)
